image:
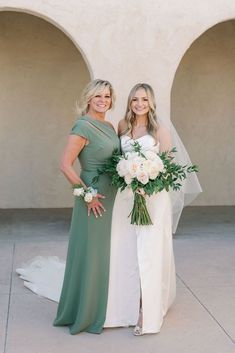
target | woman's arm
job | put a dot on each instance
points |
(73, 148)
(164, 138)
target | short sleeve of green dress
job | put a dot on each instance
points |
(83, 300)
(80, 129)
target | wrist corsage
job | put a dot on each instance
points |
(87, 194)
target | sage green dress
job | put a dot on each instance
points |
(83, 299)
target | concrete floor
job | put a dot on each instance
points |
(202, 320)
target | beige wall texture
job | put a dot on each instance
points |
(42, 73)
(203, 111)
(47, 57)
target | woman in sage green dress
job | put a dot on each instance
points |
(83, 299)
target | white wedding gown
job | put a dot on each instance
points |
(141, 263)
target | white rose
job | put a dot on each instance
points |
(88, 197)
(133, 168)
(122, 167)
(143, 177)
(128, 179)
(78, 192)
(147, 165)
(153, 173)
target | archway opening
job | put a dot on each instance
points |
(42, 75)
(202, 109)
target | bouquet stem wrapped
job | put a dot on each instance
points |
(139, 214)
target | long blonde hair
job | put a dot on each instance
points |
(93, 88)
(130, 115)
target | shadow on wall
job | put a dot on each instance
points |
(203, 109)
(42, 75)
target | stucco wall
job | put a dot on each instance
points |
(124, 41)
(203, 111)
(42, 74)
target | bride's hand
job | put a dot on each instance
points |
(96, 206)
(141, 192)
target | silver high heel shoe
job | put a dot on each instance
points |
(138, 331)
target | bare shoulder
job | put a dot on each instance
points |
(122, 126)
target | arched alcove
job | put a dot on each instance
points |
(42, 75)
(202, 109)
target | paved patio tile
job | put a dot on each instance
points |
(200, 321)
(220, 301)
(203, 262)
(6, 254)
(38, 224)
(5, 224)
(209, 220)
(187, 328)
(3, 319)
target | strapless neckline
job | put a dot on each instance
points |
(139, 138)
(147, 142)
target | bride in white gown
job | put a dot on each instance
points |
(142, 263)
(147, 274)
(142, 269)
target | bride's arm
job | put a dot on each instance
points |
(164, 138)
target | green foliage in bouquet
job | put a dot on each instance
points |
(170, 176)
(110, 170)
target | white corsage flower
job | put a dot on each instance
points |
(91, 190)
(78, 191)
(88, 197)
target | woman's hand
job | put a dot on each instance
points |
(96, 206)
(141, 192)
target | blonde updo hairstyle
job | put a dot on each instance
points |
(130, 116)
(91, 90)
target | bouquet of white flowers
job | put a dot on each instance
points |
(145, 173)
